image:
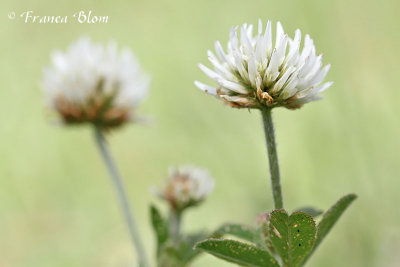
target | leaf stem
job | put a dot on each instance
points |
(273, 157)
(119, 187)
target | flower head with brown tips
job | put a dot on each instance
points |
(93, 83)
(254, 73)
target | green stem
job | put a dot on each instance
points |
(117, 181)
(273, 157)
(174, 225)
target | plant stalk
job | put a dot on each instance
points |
(273, 157)
(119, 187)
(174, 225)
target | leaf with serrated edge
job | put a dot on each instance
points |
(241, 231)
(292, 236)
(303, 234)
(330, 217)
(238, 252)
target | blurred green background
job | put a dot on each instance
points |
(57, 207)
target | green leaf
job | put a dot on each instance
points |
(262, 238)
(182, 253)
(160, 226)
(187, 243)
(311, 211)
(169, 256)
(292, 236)
(238, 252)
(254, 235)
(331, 216)
(241, 231)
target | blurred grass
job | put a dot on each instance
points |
(56, 204)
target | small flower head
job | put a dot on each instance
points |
(92, 83)
(254, 73)
(187, 186)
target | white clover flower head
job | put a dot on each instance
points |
(254, 73)
(94, 83)
(187, 186)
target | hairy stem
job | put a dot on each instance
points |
(273, 157)
(119, 187)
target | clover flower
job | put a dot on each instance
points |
(255, 74)
(93, 83)
(187, 186)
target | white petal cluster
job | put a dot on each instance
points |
(256, 72)
(187, 186)
(88, 76)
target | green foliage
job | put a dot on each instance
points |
(241, 231)
(314, 212)
(160, 226)
(263, 237)
(181, 253)
(238, 252)
(331, 216)
(169, 256)
(173, 253)
(292, 236)
(259, 236)
(187, 253)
